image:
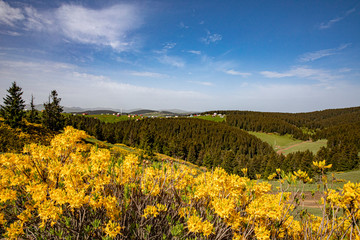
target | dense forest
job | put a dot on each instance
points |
(225, 144)
(201, 142)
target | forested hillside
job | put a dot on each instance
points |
(292, 123)
(224, 144)
(202, 142)
(341, 127)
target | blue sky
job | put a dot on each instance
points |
(287, 56)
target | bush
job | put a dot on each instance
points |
(71, 189)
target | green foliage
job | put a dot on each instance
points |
(52, 118)
(14, 139)
(13, 109)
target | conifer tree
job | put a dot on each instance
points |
(13, 109)
(52, 118)
(33, 116)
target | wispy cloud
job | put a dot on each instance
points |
(83, 89)
(9, 15)
(311, 56)
(328, 24)
(111, 26)
(195, 52)
(172, 60)
(211, 38)
(202, 83)
(108, 26)
(148, 74)
(237, 73)
(182, 25)
(302, 72)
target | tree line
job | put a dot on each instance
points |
(203, 142)
(14, 130)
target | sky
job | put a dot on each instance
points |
(269, 55)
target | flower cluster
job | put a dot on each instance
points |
(70, 188)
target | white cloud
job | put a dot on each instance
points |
(9, 15)
(148, 74)
(233, 72)
(10, 33)
(195, 52)
(328, 24)
(311, 56)
(211, 38)
(202, 83)
(302, 72)
(172, 60)
(111, 26)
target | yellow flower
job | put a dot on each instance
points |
(15, 230)
(150, 210)
(262, 233)
(321, 164)
(2, 219)
(112, 229)
(271, 177)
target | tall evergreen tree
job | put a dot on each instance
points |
(52, 118)
(13, 109)
(33, 116)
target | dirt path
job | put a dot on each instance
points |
(280, 151)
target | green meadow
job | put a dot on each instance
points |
(276, 141)
(311, 146)
(111, 118)
(211, 118)
(287, 144)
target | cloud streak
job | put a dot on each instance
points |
(202, 83)
(302, 72)
(148, 74)
(78, 88)
(312, 56)
(237, 73)
(9, 15)
(328, 24)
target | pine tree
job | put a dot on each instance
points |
(33, 116)
(52, 118)
(13, 109)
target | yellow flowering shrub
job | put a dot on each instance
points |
(72, 189)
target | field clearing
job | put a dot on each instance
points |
(287, 144)
(276, 141)
(111, 118)
(313, 147)
(211, 118)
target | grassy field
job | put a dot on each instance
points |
(276, 141)
(211, 118)
(312, 146)
(286, 141)
(110, 118)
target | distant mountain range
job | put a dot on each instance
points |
(91, 111)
